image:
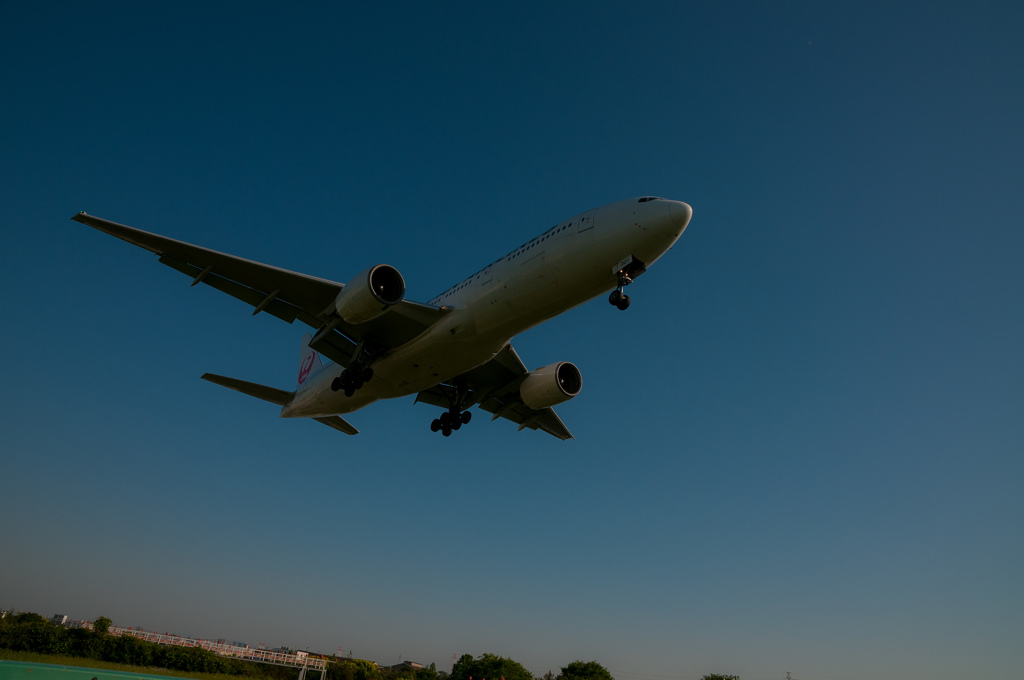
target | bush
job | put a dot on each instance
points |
(33, 633)
(489, 666)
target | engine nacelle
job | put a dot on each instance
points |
(369, 294)
(551, 385)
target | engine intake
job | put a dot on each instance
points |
(369, 294)
(551, 385)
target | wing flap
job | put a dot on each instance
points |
(536, 419)
(276, 307)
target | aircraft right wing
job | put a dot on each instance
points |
(284, 294)
(494, 386)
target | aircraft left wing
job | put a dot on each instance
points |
(494, 387)
(284, 294)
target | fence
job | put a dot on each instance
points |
(299, 660)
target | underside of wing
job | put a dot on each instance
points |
(284, 294)
(536, 419)
(494, 387)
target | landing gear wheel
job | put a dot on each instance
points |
(623, 303)
(336, 384)
(349, 391)
(459, 396)
(435, 425)
(367, 374)
(615, 297)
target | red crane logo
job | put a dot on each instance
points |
(307, 365)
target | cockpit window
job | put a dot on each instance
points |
(648, 198)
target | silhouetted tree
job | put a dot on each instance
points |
(460, 669)
(353, 669)
(430, 673)
(585, 670)
(101, 625)
(489, 667)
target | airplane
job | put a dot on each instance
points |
(452, 352)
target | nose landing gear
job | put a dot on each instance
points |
(626, 270)
(618, 298)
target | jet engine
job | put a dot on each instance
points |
(551, 385)
(369, 294)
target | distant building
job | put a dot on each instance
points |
(406, 664)
(59, 619)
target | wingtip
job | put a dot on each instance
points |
(77, 217)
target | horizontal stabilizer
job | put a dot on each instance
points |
(271, 394)
(338, 423)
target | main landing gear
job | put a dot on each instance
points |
(357, 374)
(456, 416)
(451, 419)
(618, 298)
(351, 379)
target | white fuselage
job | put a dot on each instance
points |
(574, 261)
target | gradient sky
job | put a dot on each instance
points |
(799, 450)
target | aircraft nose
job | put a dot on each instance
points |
(680, 213)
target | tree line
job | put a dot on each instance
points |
(32, 633)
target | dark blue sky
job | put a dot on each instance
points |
(799, 450)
